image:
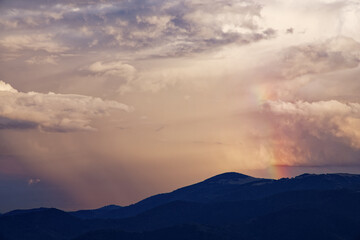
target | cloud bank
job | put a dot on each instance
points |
(314, 133)
(159, 28)
(51, 112)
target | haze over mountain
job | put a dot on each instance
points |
(227, 206)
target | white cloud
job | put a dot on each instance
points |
(5, 87)
(115, 68)
(51, 112)
(321, 109)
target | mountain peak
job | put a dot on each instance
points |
(229, 177)
(110, 207)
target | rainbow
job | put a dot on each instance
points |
(260, 94)
(278, 171)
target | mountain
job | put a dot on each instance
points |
(104, 212)
(205, 191)
(46, 223)
(230, 187)
(227, 206)
(26, 211)
(310, 214)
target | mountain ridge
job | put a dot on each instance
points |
(230, 178)
(227, 206)
(229, 185)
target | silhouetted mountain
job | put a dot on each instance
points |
(104, 212)
(225, 207)
(231, 187)
(40, 224)
(311, 214)
(24, 211)
(45, 223)
(223, 213)
(205, 191)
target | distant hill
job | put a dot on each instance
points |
(228, 206)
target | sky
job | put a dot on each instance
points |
(109, 102)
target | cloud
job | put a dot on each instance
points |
(5, 87)
(295, 68)
(50, 59)
(51, 112)
(115, 68)
(323, 132)
(158, 27)
(123, 73)
(331, 55)
(321, 109)
(35, 42)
